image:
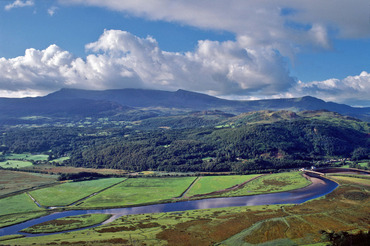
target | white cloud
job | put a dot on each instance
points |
(262, 23)
(19, 4)
(119, 59)
(354, 90)
(51, 10)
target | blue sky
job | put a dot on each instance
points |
(243, 49)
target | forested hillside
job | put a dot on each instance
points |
(203, 141)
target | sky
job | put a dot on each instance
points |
(234, 49)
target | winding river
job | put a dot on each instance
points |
(320, 186)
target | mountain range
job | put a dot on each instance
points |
(142, 103)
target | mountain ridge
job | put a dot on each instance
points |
(118, 101)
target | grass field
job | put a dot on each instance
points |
(11, 181)
(352, 180)
(15, 164)
(26, 156)
(208, 184)
(271, 183)
(68, 223)
(17, 204)
(67, 193)
(139, 191)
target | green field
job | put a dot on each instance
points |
(67, 193)
(68, 223)
(362, 164)
(60, 160)
(17, 204)
(352, 179)
(140, 191)
(15, 164)
(277, 182)
(210, 184)
(26, 156)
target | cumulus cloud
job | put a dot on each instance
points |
(120, 60)
(354, 90)
(19, 4)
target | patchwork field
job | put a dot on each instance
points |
(140, 191)
(67, 193)
(341, 210)
(12, 181)
(208, 184)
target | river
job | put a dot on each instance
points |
(320, 186)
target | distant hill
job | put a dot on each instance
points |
(143, 103)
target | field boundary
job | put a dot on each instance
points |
(29, 189)
(95, 193)
(183, 195)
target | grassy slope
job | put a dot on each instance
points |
(68, 193)
(210, 184)
(139, 191)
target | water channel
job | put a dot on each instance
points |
(320, 186)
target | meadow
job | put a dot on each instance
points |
(67, 193)
(137, 191)
(208, 184)
(17, 204)
(277, 182)
(15, 164)
(27, 156)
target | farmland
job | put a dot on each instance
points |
(17, 204)
(345, 209)
(342, 210)
(67, 193)
(210, 184)
(140, 191)
(271, 183)
(11, 181)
